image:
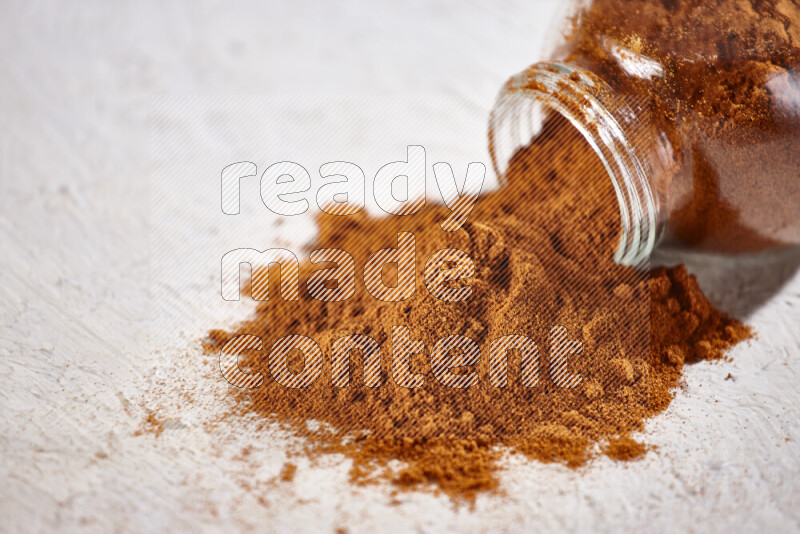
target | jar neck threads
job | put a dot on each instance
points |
(617, 128)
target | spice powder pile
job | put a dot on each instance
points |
(542, 247)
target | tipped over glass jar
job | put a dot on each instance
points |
(693, 108)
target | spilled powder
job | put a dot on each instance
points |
(542, 247)
(625, 448)
(287, 472)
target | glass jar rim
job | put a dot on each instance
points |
(609, 122)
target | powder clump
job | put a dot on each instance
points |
(625, 448)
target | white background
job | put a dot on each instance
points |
(79, 374)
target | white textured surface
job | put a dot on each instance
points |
(76, 83)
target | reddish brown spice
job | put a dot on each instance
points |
(543, 257)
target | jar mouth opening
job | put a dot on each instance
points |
(606, 121)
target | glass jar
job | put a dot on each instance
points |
(694, 110)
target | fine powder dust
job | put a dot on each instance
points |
(542, 247)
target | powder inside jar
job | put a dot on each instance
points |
(721, 82)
